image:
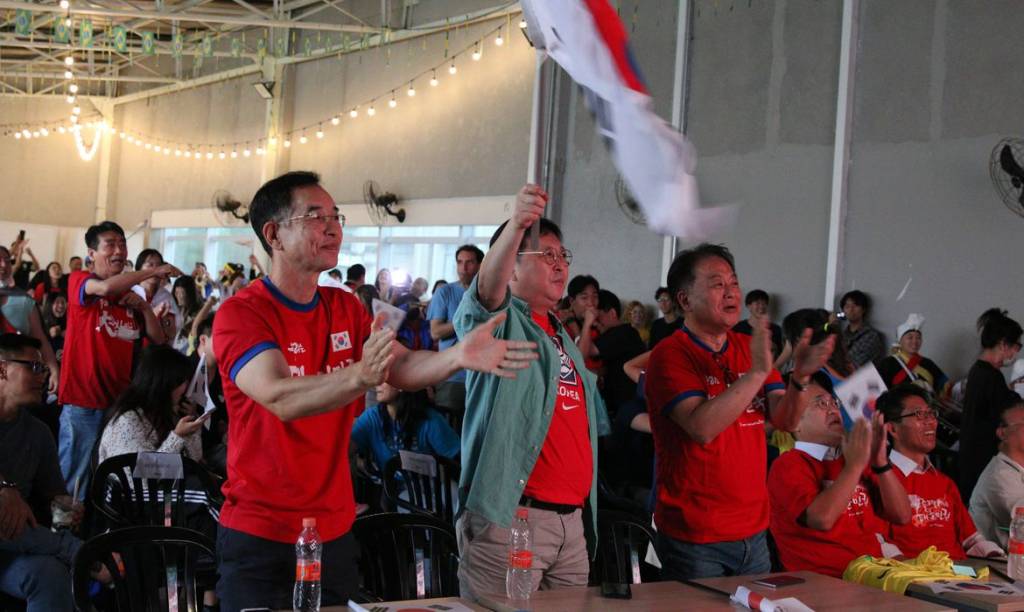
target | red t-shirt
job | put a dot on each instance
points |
(938, 517)
(712, 492)
(98, 344)
(796, 478)
(565, 468)
(280, 472)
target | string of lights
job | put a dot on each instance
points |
(246, 149)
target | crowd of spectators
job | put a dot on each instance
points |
(721, 426)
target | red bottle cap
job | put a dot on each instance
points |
(522, 513)
(309, 521)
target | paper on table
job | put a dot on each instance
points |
(859, 392)
(394, 315)
(755, 601)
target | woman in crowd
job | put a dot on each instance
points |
(187, 300)
(50, 283)
(151, 415)
(907, 365)
(158, 297)
(987, 395)
(385, 290)
(636, 314)
(19, 315)
(403, 421)
(232, 279)
(55, 319)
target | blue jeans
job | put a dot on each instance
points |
(79, 429)
(36, 567)
(686, 561)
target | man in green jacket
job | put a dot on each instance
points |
(530, 441)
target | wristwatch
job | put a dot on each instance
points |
(881, 469)
(799, 387)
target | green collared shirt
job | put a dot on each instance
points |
(507, 420)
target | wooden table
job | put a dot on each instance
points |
(652, 597)
(825, 593)
(965, 601)
(417, 603)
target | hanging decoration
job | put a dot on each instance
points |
(148, 43)
(120, 39)
(244, 149)
(23, 22)
(207, 46)
(236, 47)
(61, 31)
(178, 46)
(85, 37)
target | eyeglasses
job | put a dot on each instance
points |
(921, 415)
(664, 299)
(550, 256)
(37, 367)
(324, 218)
(826, 403)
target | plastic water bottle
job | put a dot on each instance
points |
(1015, 547)
(518, 582)
(306, 596)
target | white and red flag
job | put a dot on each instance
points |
(587, 39)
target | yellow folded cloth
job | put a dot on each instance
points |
(895, 576)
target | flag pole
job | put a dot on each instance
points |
(538, 133)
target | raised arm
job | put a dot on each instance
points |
(892, 496)
(36, 330)
(120, 283)
(832, 501)
(786, 409)
(499, 264)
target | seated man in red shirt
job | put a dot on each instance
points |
(938, 516)
(709, 391)
(823, 499)
(296, 361)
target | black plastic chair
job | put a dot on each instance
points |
(153, 562)
(124, 500)
(622, 546)
(433, 495)
(406, 556)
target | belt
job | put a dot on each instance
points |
(530, 502)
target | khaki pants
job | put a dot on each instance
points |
(559, 552)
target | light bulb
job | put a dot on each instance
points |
(157, 148)
(320, 134)
(17, 135)
(68, 74)
(272, 141)
(246, 152)
(209, 155)
(260, 150)
(69, 60)
(177, 152)
(138, 142)
(188, 154)
(123, 135)
(60, 129)
(73, 88)
(335, 120)
(131, 139)
(522, 24)
(477, 54)
(222, 155)
(498, 40)
(433, 78)
(70, 99)
(303, 139)
(353, 113)
(148, 146)
(77, 110)
(287, 143)
(167, 151)
(74, 118)
(411, 92)
(44, 131)
(35, 134)
(234, 154)
(26, 133)
(452, 69)
(67, 21)
(64, 4)
(370, 112)
(392, 102)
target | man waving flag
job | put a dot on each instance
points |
(588, 41)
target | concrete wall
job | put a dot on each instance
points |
(68, 196)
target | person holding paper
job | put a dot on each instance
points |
(531, 442)
(938, 516)
(825, 502)
(709, 392)
(296, 361)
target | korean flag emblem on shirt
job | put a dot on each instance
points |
(340, 341)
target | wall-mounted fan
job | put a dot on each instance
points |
(1007, 173)
(381, 204)
(229, 211)
(630, 207)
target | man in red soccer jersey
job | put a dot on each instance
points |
(824, 499)
(296, 361)
(105, 319)
(709, 391)
(938, 516)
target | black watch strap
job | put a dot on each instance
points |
(881, 469)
